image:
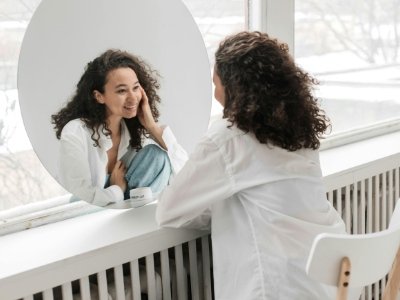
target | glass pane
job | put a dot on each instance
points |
(22, 177)
(217, 19)
(353, 49)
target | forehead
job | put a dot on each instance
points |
(121, 76)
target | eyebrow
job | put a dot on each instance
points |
(125, 85)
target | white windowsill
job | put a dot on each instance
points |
(339, 159)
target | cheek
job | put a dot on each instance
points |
(138, 95)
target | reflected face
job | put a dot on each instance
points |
(219, 90)
(121, 95)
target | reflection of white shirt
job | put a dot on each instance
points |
(83, 167)
(266, 206)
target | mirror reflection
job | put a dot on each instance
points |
(108, 96)
(111, 147)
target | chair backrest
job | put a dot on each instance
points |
(371, 256)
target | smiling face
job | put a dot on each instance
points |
(121, 95)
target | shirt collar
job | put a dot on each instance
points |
(105, 141)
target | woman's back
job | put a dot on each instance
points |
(277, 209)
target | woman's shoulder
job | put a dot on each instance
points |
(73, 127)
(221, 131)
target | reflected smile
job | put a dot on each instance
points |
(130, 107)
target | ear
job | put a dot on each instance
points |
(98, 96)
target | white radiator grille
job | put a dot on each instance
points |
(181, 272)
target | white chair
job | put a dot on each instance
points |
(351, 262)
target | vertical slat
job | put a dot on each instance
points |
(363, 211)
(397, 184)
(377, 222)
(119, 283)
(339, 201)
(66, 289)
(180, 273)
(48, 294)
(384, 201)
(194, 275)
(165, 275)
(355, 208)
(205, 252)
(347, 208)
(369, 289)
(391, 191)
(330, 197)
(369, 205)
(151, 277)
(377, 204)
(135, 279)
(363, 294)
(85, 288)
(102, 285)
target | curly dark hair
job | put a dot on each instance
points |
(267, 94)
(84, 105)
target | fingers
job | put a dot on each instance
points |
(119, 166)
(144, 95)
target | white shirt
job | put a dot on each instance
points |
(266, 206)
(83, 167)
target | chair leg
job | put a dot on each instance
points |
(393, 283)
(344, 279)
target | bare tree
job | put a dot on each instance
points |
(22, 177)
(369, 29)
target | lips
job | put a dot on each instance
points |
(130, 107)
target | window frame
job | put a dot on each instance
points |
(277, 17)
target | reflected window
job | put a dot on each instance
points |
(353, 48)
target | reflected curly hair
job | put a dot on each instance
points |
(84, 105)
(267, 94)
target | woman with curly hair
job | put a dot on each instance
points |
(255, 177)
(104, 130)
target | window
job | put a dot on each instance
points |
(216, 19)
(23, 180)
(353, 49)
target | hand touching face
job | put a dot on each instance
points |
(144, 112)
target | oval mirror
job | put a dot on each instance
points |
(64, 35)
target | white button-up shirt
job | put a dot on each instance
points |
(83, 167)
(266, 205)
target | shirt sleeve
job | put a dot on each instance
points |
(204, 180)
(75, 174)
(176, 153)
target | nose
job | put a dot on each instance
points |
(133, 96)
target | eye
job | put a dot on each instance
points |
(136, 87)
(121, 91)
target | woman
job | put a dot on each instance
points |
(255, 177)
(104, 146)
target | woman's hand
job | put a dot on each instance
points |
(147, 120)
(117, 176)
(144, 112)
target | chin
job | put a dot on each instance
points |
(130, 116)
